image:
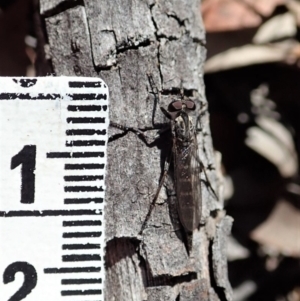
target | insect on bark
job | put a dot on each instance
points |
(187, 165)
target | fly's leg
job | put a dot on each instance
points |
(198, 123)
(208, 182)
(126, 128)
(162, 180)
(139, 132)
(207, 178)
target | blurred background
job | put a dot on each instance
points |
(252, 78)
(17, 38)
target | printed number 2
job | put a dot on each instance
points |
(30, 279)
(26, 158)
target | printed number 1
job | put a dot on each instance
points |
(26, 157)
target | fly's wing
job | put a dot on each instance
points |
(187, 180)
(196, 180)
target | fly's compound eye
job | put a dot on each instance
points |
(175, 106)
(190, 105)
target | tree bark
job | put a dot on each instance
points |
(123, 41)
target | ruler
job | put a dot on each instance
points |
(53, 138)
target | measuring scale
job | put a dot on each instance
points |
(53, 138)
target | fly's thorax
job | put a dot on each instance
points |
(184, 128)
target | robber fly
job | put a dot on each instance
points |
(187, 165)
(186, 162)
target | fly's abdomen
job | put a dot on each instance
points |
(184, 188)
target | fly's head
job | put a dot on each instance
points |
(178, 112)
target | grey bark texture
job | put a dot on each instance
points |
(123, 41)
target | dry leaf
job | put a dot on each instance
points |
(243, 291)
(294, 7)
(226, 15)
(235, 251)
(281, 230)
(220, 178)
(274, 142)
(228, 188)
(280, 26)
(282, 136)
(252, 54)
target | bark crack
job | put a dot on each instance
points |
(180, 22)
(62, 7)
(164, 279)
(169, 280)
(121, 244)
(123, 47)
(158, 41)
(91, 44)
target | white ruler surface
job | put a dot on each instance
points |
(53, 138)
